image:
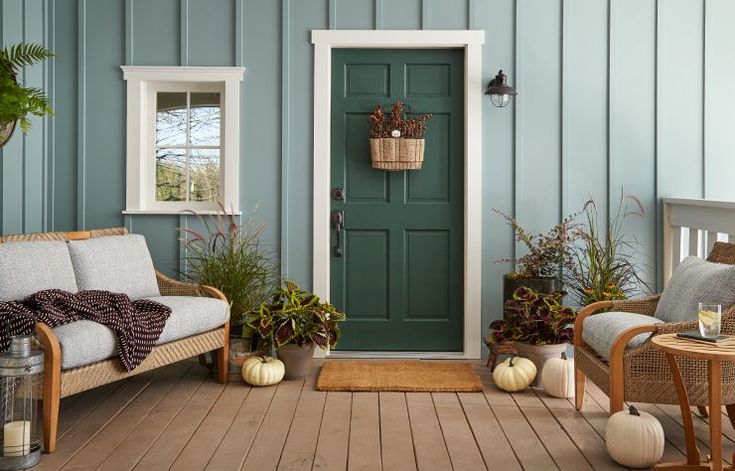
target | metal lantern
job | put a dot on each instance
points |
(21, 390)
(500, 91)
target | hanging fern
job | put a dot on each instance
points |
(16, 100)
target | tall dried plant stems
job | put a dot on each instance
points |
(382, 125)
(230, 256)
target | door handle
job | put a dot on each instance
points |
(338, 221)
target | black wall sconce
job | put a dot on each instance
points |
(499, 90)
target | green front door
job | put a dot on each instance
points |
(400, 274)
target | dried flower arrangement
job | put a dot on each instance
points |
(384, 125)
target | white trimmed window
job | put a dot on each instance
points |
(182, 138)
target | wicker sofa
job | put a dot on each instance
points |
(639, 372)
(82, 355)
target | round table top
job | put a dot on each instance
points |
(670, 343)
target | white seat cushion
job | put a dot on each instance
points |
(600, 331)
(121, 264)
(28, 267)
(85, 342)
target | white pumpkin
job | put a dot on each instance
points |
(262, 370)
(634, 439)
(557, 377)
(514, 374)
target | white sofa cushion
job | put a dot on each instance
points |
(600, 331)
(85, 342)
(121, 264)
(28, 267)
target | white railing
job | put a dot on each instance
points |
(692, 226)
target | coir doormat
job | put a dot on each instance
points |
(402, 376)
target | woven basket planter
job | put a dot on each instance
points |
(396, 154)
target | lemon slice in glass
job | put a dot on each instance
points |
(707, 318)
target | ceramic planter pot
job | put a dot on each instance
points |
(298, 360)
(546, 285)
(6, 132)
(538, 354)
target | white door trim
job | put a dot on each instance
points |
(471, 41)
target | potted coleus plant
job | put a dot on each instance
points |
(295, 322)
(540, 268)
(230, 256)
(18, 101)
(538, 324)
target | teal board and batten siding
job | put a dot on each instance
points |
(614, 94)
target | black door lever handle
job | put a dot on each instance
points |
(338, 220)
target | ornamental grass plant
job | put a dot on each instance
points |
(230, 257)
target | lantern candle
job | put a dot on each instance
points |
(17, 440)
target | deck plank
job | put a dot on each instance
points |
(589, 443)
(99, 447)
(174, 438)
(463, 450)
(171, 419)
(265, 450)
(76, 408)
(428, 440)
(300, 447)
(139, 441)
(561, 448)
(526, 444)
(491, 439)
(237, 441)
(209, 434)
(334, 435)
(395, 433)
(76, 438)
(364, 451)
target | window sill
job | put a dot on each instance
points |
(181, 212)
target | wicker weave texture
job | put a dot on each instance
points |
(91, 376)
(646, 370)
(397, 154)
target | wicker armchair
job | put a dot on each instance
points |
(59, 383)
(642, 373)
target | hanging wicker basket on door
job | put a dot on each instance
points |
(396, 140)
(390, 153)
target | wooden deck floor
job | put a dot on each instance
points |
(177, 418)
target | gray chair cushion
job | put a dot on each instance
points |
(28, 267)
(696, 281)
(121, 264)
(85, 342)
(600, 331)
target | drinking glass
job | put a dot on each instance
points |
(709, 316)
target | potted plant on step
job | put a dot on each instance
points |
(295, 322)
(230, 256)
(18, 101)
(538, 324)
(539, 269)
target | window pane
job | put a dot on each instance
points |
(170, 174)
(204, 175)
(205, 119)
(170, 118)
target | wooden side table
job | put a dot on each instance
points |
(714, 354)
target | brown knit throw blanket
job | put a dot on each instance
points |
(137, 324)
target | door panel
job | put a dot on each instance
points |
(400, 276)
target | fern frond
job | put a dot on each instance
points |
(22, 55)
